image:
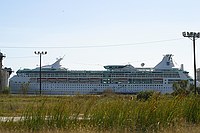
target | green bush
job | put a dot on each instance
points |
(6, 90)
(182, 88)
(144, 95)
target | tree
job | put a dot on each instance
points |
(25, 88)
(144, 95)
(182, 87)
(6, 90)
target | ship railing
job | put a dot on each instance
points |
(144, 69)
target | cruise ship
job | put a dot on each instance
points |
(123, 79)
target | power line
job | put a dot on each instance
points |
(94, 46)
(22, 57)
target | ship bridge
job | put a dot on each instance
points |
(119, 67)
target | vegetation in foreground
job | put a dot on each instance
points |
(146, 112)
(105, 113)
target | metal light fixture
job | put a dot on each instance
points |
(193, 36)
(40, 53)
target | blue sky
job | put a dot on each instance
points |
(70, 26)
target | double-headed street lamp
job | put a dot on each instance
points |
(193, 36)
(40, 53)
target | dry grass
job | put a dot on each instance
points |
(183, 129)
(106, 113)
(180, 129)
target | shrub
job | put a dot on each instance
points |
(6, 90)
(24, 88)
(182, 88)
(144, 95)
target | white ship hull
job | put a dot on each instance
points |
(78, 88)
(55, 88)
(117, 78)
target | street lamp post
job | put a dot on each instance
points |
(40, 54)
(193, 36)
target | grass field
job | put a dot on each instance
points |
(105, 113)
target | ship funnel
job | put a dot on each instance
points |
(182, 68)
(166, 63)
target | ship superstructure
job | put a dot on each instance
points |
(117, 78)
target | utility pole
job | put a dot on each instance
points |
(40, 54)
(193, 36)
